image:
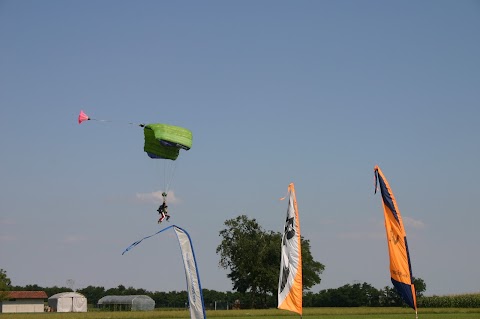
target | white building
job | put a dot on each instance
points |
(68, 302)
(24, 301)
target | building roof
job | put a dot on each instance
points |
(67, 294)
(125, 300)
(27, 295)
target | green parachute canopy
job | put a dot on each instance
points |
(165, 141)
(162, 141)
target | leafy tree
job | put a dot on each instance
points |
(253, 257)
(311, 269)
(372, 295)
(420, 286)
(160, 299)
(239, 252)
(93, 294)
(33, 287)
(391, 298)
(349, 295)
(5, 284)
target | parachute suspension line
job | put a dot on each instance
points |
(84, 117)
(123, 123)
(165, 176)
(169, 169)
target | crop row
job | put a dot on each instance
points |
(451, 301)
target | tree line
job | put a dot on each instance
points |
(349, 295)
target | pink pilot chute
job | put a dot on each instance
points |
(82, 117)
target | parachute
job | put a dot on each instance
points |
(161, 141)
(82, 117)
(165, 141)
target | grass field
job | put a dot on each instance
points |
(309, 313)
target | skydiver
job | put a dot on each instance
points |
(163, 209)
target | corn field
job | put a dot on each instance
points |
(451, 301)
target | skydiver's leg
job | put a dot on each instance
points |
(161, 218)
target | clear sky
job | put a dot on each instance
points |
(311, 92)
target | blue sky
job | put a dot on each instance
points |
(311, 92)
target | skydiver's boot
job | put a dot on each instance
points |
(168, 217)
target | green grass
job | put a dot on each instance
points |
(309, 313)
